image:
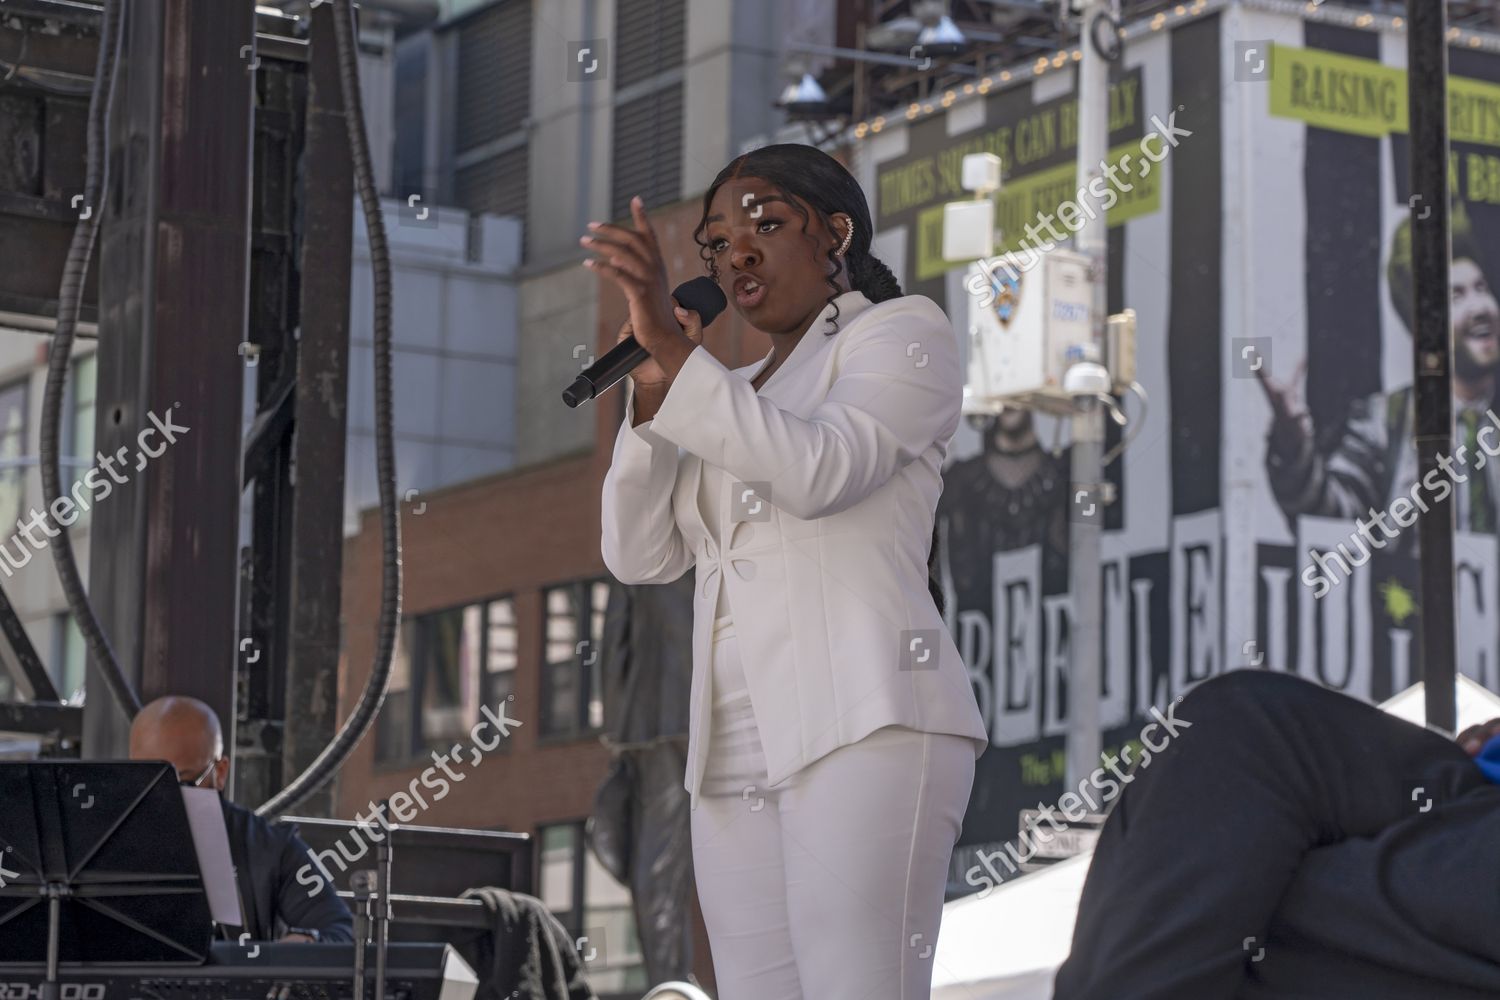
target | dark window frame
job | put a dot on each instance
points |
(19, 471)
(573, 921)
(639, 79)
(62, 626)
(476, 148)
(579, 728)
(75, 467)
(577, 913)
(415, 634)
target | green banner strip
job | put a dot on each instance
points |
(1366, 97)
(1035, 199)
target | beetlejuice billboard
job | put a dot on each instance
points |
(1260, 219)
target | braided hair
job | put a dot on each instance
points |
(805, 175)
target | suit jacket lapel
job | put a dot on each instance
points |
(851, 304)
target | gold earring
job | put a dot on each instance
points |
(848, 239)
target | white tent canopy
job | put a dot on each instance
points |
(1476, 704)
(1008, 945)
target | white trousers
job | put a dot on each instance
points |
(830, 886)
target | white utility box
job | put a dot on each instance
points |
(968, 229)
(1021, 325)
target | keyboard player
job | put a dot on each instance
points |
(186, 733)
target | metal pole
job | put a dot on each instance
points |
(1083, 738)
(174, 264)
(362, 883)
(308, 629)
(1427, 91)
(383, 898)
(51, 989)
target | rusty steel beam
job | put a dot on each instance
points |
(300, 325)
(173, 266)
(47, 54)
(317, 525)
(267, 470)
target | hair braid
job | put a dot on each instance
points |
(870, 275)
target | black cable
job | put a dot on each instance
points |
(61, 84)
(1114, 48)
(16, 75)
(359, 722)
(69, 301)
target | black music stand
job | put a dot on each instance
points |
(94, 867)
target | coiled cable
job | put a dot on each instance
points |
(354, 728)
(69, 301)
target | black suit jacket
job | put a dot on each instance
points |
(1409, 913)
(267, 860)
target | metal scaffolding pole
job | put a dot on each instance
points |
(1084, 738)
(1427, 92)
(174, 259)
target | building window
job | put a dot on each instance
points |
(572, 686)
(586, 899)
(650, 46)
(408, 155)
(68, 656)
(491, 107)
(502, 653)
(78, 455)
(458, 659)
(393, 726)
(13, 400)
(650, 39)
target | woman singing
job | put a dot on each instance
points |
(833, 727)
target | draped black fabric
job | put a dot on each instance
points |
(639, 829)
(528, 953)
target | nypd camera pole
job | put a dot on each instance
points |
(1041, 344)
(1085, 381)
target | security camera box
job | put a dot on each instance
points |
(1022, 323)
(968, 229)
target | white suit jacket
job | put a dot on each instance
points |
(833, 472)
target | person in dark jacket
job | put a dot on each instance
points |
(1288, 841)
(185, 733)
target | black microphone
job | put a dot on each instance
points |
(701, 295)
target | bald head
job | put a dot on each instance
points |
(182, 731)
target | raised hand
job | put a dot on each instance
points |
(1291, 423)
(632, 259)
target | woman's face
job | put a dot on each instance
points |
(770, 270)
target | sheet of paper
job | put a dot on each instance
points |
(211, 842)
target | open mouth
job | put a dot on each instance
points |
(749, 291)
